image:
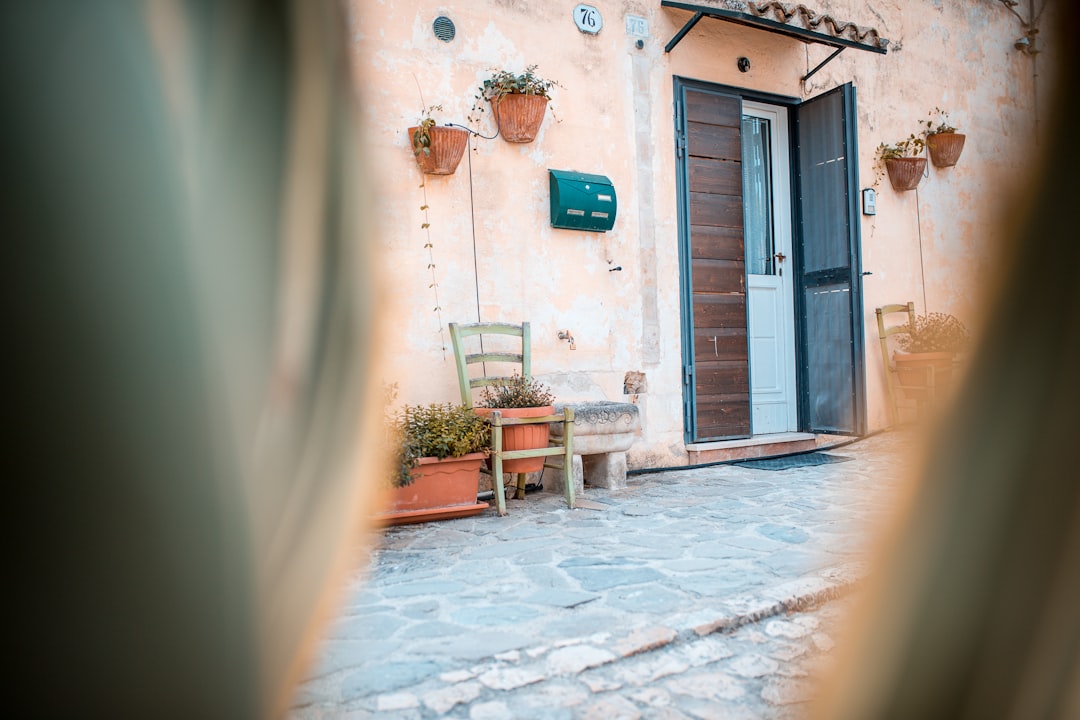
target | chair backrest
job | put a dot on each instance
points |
(513, 355)
(886, 331)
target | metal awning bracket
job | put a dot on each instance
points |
(685, 29)
(823, 63)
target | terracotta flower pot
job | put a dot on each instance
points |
(519, 116)
(447, 147)
(911, 371)
(945, 148)
(906, 172)
(523, 437)
(440, 489)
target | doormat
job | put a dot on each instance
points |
(792, 461)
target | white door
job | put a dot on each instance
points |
(770, 305)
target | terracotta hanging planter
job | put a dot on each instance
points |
(523, 437)
(440, 489)
(519, 116)
(444, 152)
(905, 173)
(912, 372)
(945, 148)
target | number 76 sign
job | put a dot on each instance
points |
(587, 18)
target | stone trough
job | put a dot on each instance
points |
(603, 431)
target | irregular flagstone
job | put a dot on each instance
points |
(752, 665)
(574, 659)
(643, 639)
(606, 577)
(560, 598)
(709, 686)
(397, 701)
(509, 678)
(784, 533)
(611, 707)
(444, 699)
(788, 692)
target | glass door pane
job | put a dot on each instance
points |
(757, 196)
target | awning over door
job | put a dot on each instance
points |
(793, 20)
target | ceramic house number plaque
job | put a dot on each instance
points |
(587, 18)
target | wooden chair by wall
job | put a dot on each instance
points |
(885, 331)
(518, 359)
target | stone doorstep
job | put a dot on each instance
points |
(758, 447)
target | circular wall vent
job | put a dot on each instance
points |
(444, 28)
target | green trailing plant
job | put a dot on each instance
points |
(911, 147)
(941, 126)
(516, 392)
(504, 82)
(437, 430)
(421, 138)
(935, 332)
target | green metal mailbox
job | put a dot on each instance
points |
(580, 201)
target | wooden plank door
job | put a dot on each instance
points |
(717, 360)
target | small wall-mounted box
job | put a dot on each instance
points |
(580, 201)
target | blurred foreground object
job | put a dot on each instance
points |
(975, 612)
(186, 304)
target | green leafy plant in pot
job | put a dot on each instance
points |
(943, 142)
(929, 353)
(520, 397)
(438, 450)
(438, 148)
(518, 102)
(902, 162)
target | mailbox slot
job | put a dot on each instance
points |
(580, 201)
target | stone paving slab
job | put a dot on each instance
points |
(473, 614)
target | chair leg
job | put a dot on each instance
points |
(497, 468)
(568, 458)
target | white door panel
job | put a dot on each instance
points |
(770, 306)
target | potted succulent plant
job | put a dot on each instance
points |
(437, 449)
(437, 148)
(933, 342)
(518, 397)
(903, 163)
(518, 102)
(942, 140)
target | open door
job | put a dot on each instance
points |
(829, 276)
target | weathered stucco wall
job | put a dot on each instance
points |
(615, 117)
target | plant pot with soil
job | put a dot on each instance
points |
(438, 452)
(925, 368)
(902, 162)
(518, 102)
(518, 397)
(437, 148)
(943, 142)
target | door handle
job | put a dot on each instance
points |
(781, 257)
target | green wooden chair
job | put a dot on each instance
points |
(885, 331)
(510, 352)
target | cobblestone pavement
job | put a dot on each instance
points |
(693, 593)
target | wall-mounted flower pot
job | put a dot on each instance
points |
(523, 437)
(441, 489)
(945, 148)
(519, 116)
(447, 147)
(906, 172)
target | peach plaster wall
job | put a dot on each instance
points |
(614, 113)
